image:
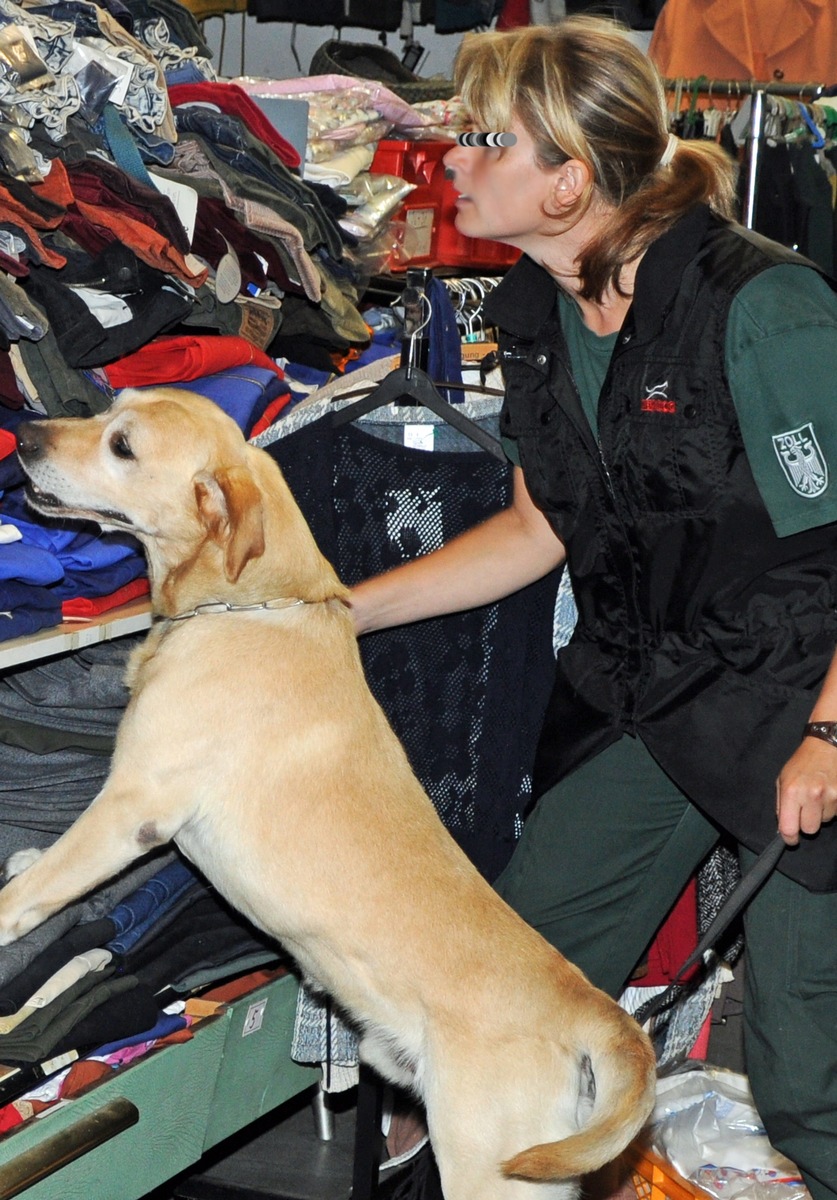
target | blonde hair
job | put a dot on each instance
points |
(582, 90)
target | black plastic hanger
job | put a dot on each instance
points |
(409, 384)
(414, 386)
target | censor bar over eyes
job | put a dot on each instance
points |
(485, 140)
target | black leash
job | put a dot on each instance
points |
(741, 894)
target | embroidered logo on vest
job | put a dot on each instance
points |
(656, 399)
(802, 461)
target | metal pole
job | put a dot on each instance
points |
(753, 158)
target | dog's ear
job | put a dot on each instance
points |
(230, 508)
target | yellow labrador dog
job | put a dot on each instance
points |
(252, 741)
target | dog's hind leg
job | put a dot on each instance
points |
(471, 1172)
(484, 1104)
(107, 837)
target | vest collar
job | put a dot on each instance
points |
(659, 275)
(525, 298)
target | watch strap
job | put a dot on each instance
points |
(826, 731)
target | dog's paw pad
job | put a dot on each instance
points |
(18, 862)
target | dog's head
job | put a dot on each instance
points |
(165, 465)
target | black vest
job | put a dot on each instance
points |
(700, 631)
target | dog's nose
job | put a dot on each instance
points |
(30, 440)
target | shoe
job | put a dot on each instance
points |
(367, 61)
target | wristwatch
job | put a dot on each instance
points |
(825, 730)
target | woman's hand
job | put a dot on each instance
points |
(806, 791)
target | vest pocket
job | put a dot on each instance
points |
(673, 441)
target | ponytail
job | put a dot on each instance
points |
(698, 173)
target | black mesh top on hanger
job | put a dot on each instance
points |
(465, 693)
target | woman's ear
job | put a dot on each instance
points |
(571, 183)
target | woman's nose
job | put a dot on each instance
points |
(449, 161)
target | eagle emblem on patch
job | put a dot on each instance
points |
(802, 461)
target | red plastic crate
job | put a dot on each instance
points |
(430, 209)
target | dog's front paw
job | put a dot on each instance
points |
(18, 862)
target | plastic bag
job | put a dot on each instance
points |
(342, 111)
(706, 1125)
(380, 196)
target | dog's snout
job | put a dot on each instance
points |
(31, 440)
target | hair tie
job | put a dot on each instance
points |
(670, 150)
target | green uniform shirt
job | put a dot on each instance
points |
(781, 363)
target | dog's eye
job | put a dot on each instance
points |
(120, 446)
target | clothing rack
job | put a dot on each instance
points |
(738, 88)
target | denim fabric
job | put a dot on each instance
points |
(138, 913)
(17, 955)
(183, 27)
(185, 72)
(228, 144)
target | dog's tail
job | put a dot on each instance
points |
(617, 1088)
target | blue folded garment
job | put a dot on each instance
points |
(25, 609)
(243, 392)
(168, 1023)
(76, 548)
(29, 564)
(91, 584)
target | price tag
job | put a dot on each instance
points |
(419, 437)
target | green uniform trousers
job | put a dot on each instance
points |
(603, 857)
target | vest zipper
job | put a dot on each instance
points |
(586, 431)
(605, 469)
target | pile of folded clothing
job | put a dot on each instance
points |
(154, 229)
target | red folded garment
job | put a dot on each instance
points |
(9, 1117)
(675, 941)
(8, 443)
(270, 414)
(92, 606)
(179, 359)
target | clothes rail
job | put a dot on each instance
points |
(739, 88)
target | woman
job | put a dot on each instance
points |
(670, 407)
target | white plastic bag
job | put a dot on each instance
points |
(706, 1125)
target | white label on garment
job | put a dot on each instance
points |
(254, 1018)
(228, 276)
(420, 224)
(184, 199)
(419, 437)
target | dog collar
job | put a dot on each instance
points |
(223, 606)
